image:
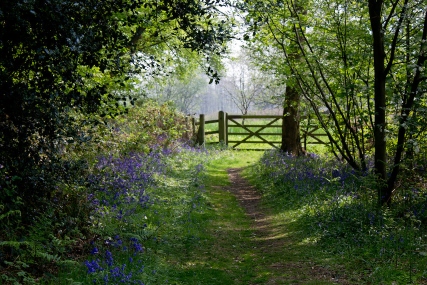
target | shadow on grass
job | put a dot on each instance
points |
(337, 223)
(231, 250)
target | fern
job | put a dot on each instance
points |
(15, 244)
(68, 262)
(47, 256)
(10, 213)
(20, 276)
(35, 251)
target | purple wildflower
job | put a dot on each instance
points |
(109, 258)
(93, 266)
(94, 250)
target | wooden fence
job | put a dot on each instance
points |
(235, 130)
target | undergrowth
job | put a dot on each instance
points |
(94, 193)
(335, 209)
(140, 202)
(128, 205)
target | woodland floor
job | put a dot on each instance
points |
(271, 240)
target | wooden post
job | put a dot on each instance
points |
(226, 128)
(305, 135)
(193, 125)
(201, 133)
(221, 127)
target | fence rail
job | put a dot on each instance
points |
(232, 127)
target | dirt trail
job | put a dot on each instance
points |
(270, 241)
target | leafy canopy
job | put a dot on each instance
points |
(61, 58)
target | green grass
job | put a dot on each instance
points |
(334, 222)
(193, 251)
(223, 235)
(194, 229)
(294, 258)
(198, 234)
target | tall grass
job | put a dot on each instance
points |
(334, 208)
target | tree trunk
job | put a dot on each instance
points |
(291, 140)
(407, 108)
(384, 193)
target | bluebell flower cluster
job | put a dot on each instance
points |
(136, 246)
(119, 184)
(93, 266)
(305, 175)
(118, 190)
(109, 270)
(339, 205)
(312, 177)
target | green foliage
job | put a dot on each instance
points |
(154, 123)
(59, 234)
(73, 59)
(8, 214)
(145, 126)
(63, 72)
(21, 277)
(327, 50)
(335, 210)
(29, 251)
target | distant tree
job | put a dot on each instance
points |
(243, 84)
(184, 92)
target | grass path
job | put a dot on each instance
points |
(207, 225)
(244, 244)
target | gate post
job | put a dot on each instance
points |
(193, 127)
(226, 128)
(221, 127)
(201, 132)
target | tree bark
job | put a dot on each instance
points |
(291, 140)
(384, 194)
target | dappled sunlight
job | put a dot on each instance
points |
(329, 209)
(276, 236)
(271, 246)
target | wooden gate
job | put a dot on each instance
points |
(252, 133)
(236, 130)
